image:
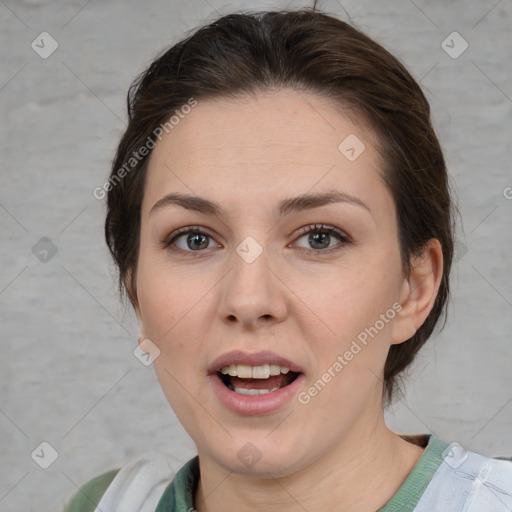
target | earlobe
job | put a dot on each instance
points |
(133, 299)
(419, 291)
(143, 338)
(144, 344)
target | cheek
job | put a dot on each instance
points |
(352, 351)
(163, 310)
(348, 337)
(349, 298)
(176, 311)
(172, 315)
(165, 296)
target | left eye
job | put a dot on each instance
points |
(319, 237)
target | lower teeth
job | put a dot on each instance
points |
(243, 391)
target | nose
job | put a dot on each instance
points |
(253, 294)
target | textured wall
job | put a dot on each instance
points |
(67, 373)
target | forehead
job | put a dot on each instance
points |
(261, 146)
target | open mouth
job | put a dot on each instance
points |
(256, 380)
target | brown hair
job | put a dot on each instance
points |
(309, 51)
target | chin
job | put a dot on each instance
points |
(259, 457)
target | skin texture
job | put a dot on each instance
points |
(247, 154)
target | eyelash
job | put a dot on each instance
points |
(319, 228)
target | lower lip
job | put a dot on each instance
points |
(253, 405)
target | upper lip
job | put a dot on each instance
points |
(251, 359)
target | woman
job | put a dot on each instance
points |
(279, 212)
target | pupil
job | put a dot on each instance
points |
(318, 238)
(193, 238)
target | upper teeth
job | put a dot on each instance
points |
(263, 371)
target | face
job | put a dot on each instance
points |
(245, 283)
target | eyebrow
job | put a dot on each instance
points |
(284, 208)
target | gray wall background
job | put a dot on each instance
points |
(68, 376)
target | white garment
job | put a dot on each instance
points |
(468, 482)
(138, 486)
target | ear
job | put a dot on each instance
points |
(418, 291)
(132, 294)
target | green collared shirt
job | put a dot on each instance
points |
(179, 494)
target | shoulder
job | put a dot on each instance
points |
(89, 495)
(137, 486)
(469, 481)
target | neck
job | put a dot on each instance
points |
(360, 474)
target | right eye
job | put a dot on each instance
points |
(189, 239)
